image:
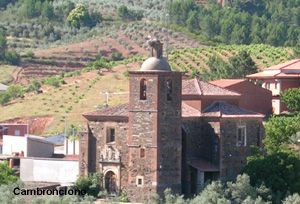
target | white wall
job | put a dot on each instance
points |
(14, 144)
(32, 146)
(49, 170)
(71, 147)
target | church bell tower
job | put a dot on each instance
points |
(154, 138)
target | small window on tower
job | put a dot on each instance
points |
(139, 181)
(169, 90)
(142, 152)
(143, 89)
(111, 134)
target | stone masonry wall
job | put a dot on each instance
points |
(233, 157)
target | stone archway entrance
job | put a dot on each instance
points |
(111, 182)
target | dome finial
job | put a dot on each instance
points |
(156, 48)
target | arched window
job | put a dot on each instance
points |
(169, 89)
(143, 89)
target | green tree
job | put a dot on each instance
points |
(193, 22)
(292, 199)
(47, 10)
(279, 171)
(80, 16)
(279, 131)
(6, 174)
(3, 45)
(291, 98)
(241, 65)
(217, 69)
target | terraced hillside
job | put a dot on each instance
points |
(195, 59)
(127, 39)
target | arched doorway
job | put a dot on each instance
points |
(111, 182)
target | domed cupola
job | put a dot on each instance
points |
(156, 62)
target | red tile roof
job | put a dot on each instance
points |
(202, 88)
(290, 69)
(292, 64)
(119, 112)
(226, 110)
(188, 111)
(226, 82)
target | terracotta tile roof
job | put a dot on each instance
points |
(188, 111)
(290, 69)
(226, 110)
(116, 112)
(226, 82)
(198, 87)
(292, 64)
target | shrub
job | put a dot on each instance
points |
(4, 98)
(116, 56)
(291, 98)
(12, 57)
(35, 86)
(6, 174)
(54, 81)
(90, 183)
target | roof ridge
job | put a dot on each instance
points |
(294, 61)
(197, 80)
(223, 88)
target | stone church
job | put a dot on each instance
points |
(173, 133)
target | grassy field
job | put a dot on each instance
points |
(6, 73)
(67, 103)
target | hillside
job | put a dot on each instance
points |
(86, 92)
(66, 104)
(193, 60)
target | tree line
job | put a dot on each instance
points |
(275, 22)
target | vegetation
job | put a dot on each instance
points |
(90, 184)
(7, 56)
(190, 59)
(126, 14)
(291, 99)
(279, 130)
(241, 22)
(6, 174)
(237, 67)
(80, 17)
(279, 171)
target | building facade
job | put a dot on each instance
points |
(163, 138)
(277, 79)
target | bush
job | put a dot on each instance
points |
(90, 183)
(7, 174)
(15, 91)
(35, 86)
(291, 98)
(4, 98)
(12, 57)
(54, 81)
(116, 56)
